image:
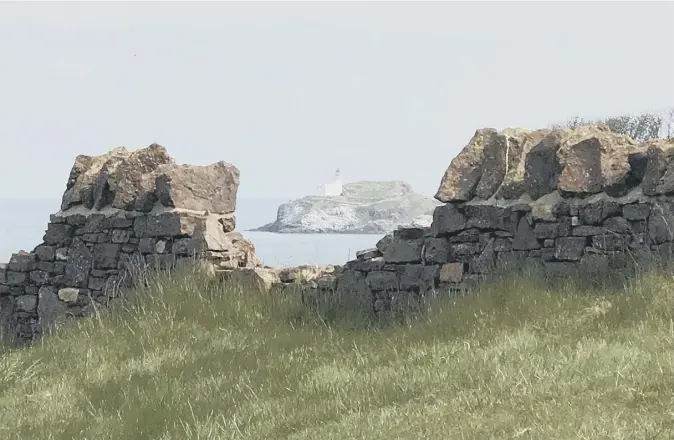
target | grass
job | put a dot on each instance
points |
(193, 358)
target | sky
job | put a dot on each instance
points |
(288, 92)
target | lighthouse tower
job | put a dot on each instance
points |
(335, 188)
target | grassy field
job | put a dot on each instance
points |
(192, 358)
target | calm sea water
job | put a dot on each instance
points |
(23, 222)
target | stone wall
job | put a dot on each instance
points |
(121, 210)
(554, 198)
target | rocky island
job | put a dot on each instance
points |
(364, 207)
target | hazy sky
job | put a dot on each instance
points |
(290, 91)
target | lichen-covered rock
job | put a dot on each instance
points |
(119, 178)
(594, 160)
(516, 162)
(478, 170)
(142, 179)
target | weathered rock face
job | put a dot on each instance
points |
(139, 180)
(517, 162)
(200, 188)
(553, 198)
(122, 210)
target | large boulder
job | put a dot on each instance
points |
(659, 170)
(200, 188)
(594, 160)
(143, 179)
(119, 178)
(514, 162)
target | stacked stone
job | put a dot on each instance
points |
(553, 198)
(91, 244)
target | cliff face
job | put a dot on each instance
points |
(363, 208)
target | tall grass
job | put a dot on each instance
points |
(192, 357)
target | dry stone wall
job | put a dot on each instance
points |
(554, 198)
(121, 210)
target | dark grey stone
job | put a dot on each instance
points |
(636, 211)
(106, 255)
(412, 233)
(503, 244)
(570, 248)
(639, 227)
(562, 209)
(463, 252)
(366, 265)
(96, 283)
(553, 230)
(436, 251)
(416, 277)
(447, 220)
(94, 224)
(26, 303)
(50, 308)
(22, 262)
(403, 251)
(45, 253)
(129, 248)
(15, 278)
(468, 236)
(384, 242)
(617, 225)
(80, 260)
(586, 231)
(368, 254)
(39, 277)
(596, 213)
(661, 223)
(76, 219)
(166, 224)
(117, 223)
(121, 235)
(525, 238)
(610, 242)
(90, 238)
(547, 254)
(487, 217)
(59, 267)
(58, 234)
(542, 167)
(146, 245)
(484, 263)
(380, 281)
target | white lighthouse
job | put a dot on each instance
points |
(332, 189)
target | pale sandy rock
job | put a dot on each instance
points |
(199, 188)
(516, 162)
(68, 294)
(259, 277)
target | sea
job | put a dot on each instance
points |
(23, 223)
